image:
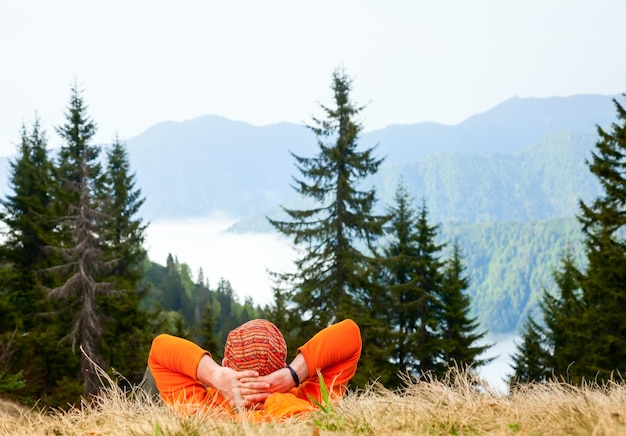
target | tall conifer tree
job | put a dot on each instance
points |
(126, 338)
(550, 349)
(280, 314)
(459, 329)
(207, 332)
(332, 275)
(330, 282)
(401, 264)
(26, 317)
(125, 229)
(429, 310)
(603, 282)
(83, 231)
(227, 319)
(26, 212)
(428, 343)
(586, 329)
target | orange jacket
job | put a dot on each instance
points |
(335, 351)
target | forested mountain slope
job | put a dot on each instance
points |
(544, 180)
(505, 182)
(510, 264)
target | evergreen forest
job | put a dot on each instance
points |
(78, 291)
(579, 333)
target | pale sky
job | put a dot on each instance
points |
(142, 62)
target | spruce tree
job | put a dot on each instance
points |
(428, 344)
(227, 318)
(412, 273)
(585, 327)
(125, 229)
(550, 350)
(201, 295)
(459, 329)
(173, 290)
(207, 332)
(532, 359)
(401, 263)
(335, 234)
(27, 323)
(82, 248)
(78, 159)
(26, 213)
(278, 313)
(563, 315)
(603, 222)
(283, 318)
(126, 338)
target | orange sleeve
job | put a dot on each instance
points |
(174, 362)
(335, 351)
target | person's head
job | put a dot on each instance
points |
(258, 345)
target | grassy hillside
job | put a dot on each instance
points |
(459, 405)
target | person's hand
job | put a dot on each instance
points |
(277, 381)
(230, 382)
(280, 380)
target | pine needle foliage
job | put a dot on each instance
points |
(335, 234)
(602, 283)
(82, 224)
(585, 326)
(70, 263)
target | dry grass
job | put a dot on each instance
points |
(458, 405)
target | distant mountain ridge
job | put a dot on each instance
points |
(507, 127)
(210, 163)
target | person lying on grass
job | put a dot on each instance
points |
(254, 374)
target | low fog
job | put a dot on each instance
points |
(242, 259)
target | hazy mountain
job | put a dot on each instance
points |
(508, 127)
(211, 163)
(194, 167)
